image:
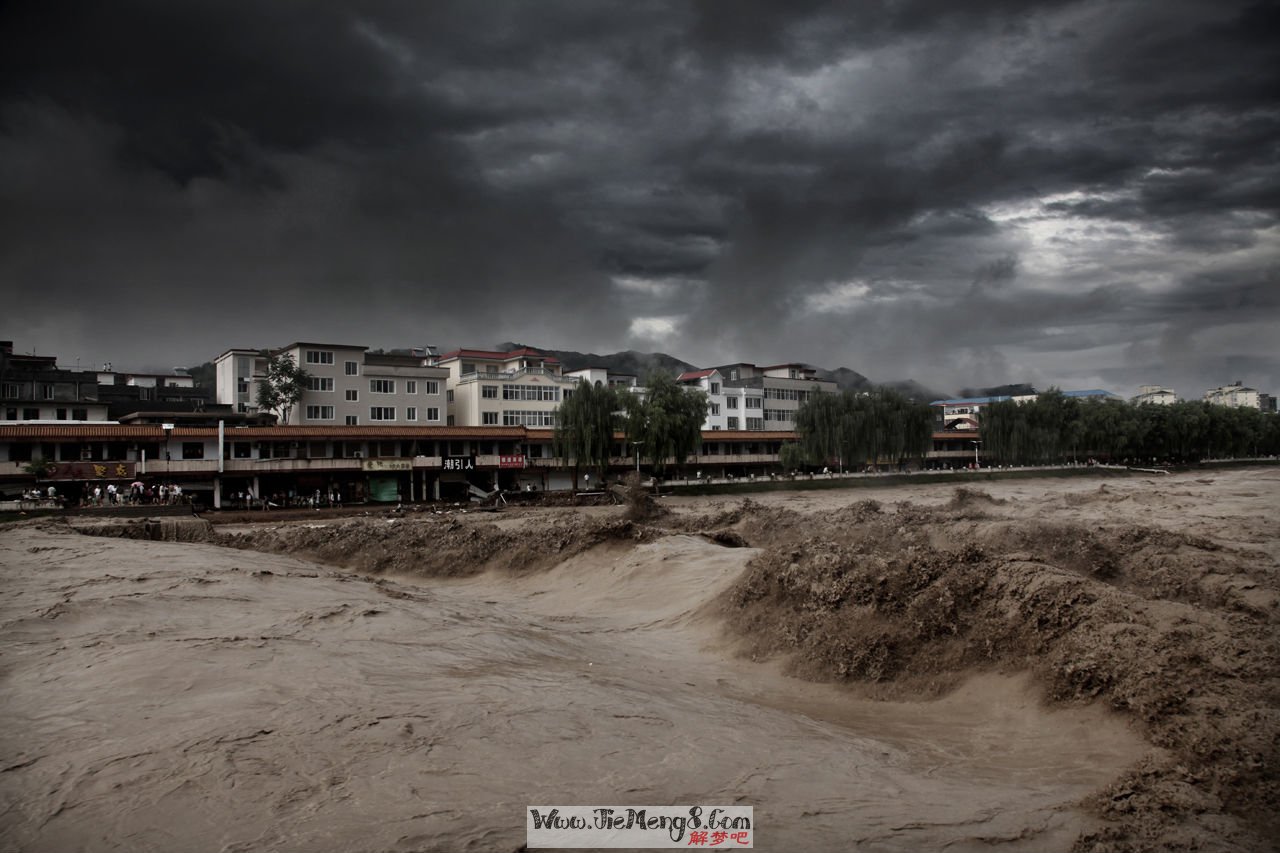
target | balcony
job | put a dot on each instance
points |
(509, 375)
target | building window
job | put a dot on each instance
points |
(755, 423)
(352, 368)
(319, 413)
(489, 418)
(353, 420)
(411, 386)
(780, 415)
(715, 387)
(79, 414)
(431, 386)
(242, 385)
(316, 356)
(754, 403)
(528, 418)
(382, 413)
(46, 392)
(433, 413)
(382, 386)
(31, 414)
(531, 392)
(11, 391)
(715, 408)
(489, 392)
(411, 413)
(353, 396)
(192, 450)
(320, 383)
(10, 414)
(448, 395)
(732, 402)
(62, 414)
(733, 423)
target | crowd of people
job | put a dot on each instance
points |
(136, 493)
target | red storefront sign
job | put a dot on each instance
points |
(509, 460)
(92, 471)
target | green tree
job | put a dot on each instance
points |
(667, 422)
(854, 429)
(585, 425)
(283, 386)
(792, 456)
(39, 468)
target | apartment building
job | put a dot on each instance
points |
(348, 385)
(1155, 395)
(522, 387)
(35, 388)
(711, 383)
(1237, 394)
(766, 398)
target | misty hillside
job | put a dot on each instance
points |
(640, 364)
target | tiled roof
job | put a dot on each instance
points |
(106, 430)
(116, 432)
(354, 432)
(695, 374)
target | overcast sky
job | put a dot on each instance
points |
(1081, 194)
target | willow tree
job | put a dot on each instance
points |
(666, 423)
(585, 425)
(849, 428)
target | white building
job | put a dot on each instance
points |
(522, 387)
(711, 383)
(348, 385)
(1156, 395)
(766, 398)
(1239, 396)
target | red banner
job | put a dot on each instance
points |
(92, 471)
(508, 460)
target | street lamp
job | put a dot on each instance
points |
(976, 462)
(637, 444)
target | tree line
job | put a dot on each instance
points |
(1055, 428)
(852, 430)
(665, 424)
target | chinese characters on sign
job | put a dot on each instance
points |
(92, 471)
(460, 463)
(511, 460)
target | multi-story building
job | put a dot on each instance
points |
(711, 383)
(347, 384)
(1156, 395)
(766, 398)
(522, 387)
(602, 376)
(34, 388)
(1238, 395)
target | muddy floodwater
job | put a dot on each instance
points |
(411, 683)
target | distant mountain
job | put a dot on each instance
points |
(639, 364)
(1015, 390)
(848, 380)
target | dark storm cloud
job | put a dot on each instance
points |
(960, 193)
